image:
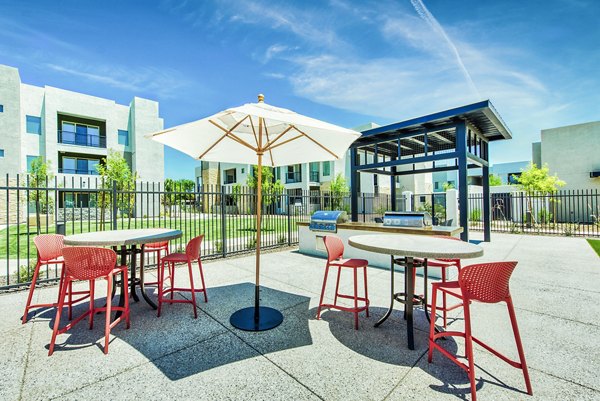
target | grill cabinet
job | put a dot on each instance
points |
(327, 221)
(407, 219)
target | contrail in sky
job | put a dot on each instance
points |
(435, 25)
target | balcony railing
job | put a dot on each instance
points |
(290, 178)
(314, 176)
(74, 138)
(77, 171)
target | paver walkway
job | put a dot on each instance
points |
(555, 290)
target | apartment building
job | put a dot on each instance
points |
(573, 153)
(74, 131)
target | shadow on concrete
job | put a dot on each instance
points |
(181, 346)
(388, 344)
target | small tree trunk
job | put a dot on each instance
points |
(38, 221)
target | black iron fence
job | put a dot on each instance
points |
(569, 213)
(224, 215)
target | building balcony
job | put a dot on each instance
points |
(74, 138)
(77, 171)
(294, 177)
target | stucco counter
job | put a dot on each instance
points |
(311, 242)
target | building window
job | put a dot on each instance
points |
(30, 160)
(1, 152)
(243, 170)
(1, 108)
(81, 134)
(230, 176)
(34, 125)
(513, 178)
(123, 137)
(436, 185)
(314, 172)
(294, 174)
(73, 165)
(326, 169)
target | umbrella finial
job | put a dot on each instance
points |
(261, 98)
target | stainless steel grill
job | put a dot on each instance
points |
(407, 219)
(327, 220)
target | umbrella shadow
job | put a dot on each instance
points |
(388, 344)
(181, 346)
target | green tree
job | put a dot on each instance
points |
(115, 168)
(177, 192)
(271, 189)
(338, 189)
(534, 180)
(38, 178)
(495, 180)
(447, 185)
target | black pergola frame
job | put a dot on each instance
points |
(461, 134)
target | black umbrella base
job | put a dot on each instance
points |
(268, 318)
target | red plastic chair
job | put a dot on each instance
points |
(488, 283)
(156, 247)
(443, 264)
(85, 263)
(192, 253)
(335, 251)
(49, 252)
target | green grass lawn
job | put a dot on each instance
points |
(595, 244)
(239, 226)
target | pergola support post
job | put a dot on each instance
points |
(354, 183)
(393, 188)
(463, 187)
(487, 218)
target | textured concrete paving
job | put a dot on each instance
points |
(555, 289)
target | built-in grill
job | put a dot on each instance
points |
(407, 219)
(327, 220)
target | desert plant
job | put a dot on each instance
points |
(544, 216)
(475, 215)
(570, 228)
(251, 244)
(515, 229)
(282, 239)
(25, 273)
(218, 245)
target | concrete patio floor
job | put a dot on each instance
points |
(555, 289)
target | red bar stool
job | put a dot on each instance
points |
(443, 264)
(85, 263)
(156, 247)
(488, 283)
(192, 253)
(335, 251)
(50, 252)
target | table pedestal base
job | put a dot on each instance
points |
(266, 319)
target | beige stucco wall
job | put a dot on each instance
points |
(572, 152)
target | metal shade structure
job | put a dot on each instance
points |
(261, 134)
(454, 139)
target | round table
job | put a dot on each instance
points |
(120, 240)
(410, 247)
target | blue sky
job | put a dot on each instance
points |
(346, 62)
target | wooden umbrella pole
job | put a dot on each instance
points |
(258, 218)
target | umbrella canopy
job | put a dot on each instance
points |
(258, 133)
(236, 135)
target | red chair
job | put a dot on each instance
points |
(156, 247)
(192, 253)
(49, 252)
(443, 264)
(335, 251)
(488, 283)
(85, 263)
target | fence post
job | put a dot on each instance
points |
(289, 220)
(114, 205)
(364, 207)
(223, 226)
(522, 214)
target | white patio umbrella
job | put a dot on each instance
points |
(258, 133)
